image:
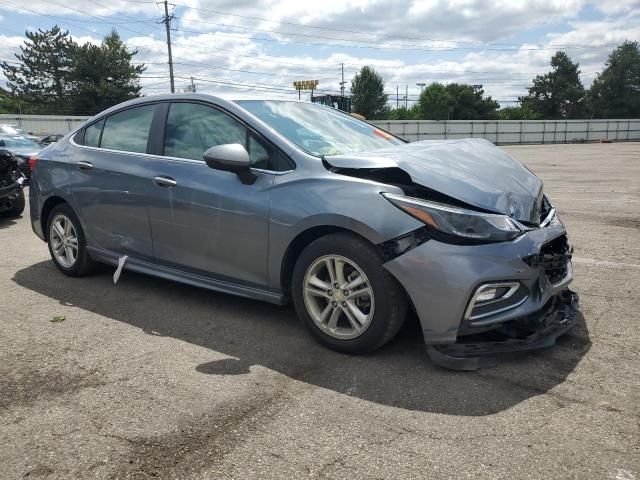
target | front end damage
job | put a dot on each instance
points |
(529, 276)
(488, 273)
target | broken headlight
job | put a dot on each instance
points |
(456, 222)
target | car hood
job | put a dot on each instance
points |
(473, 171)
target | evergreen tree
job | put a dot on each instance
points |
(559, 93)
(615, 92)
(39, 81)
(367, 94)
(104, 75)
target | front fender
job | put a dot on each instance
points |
(299, 204)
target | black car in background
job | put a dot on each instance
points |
(22, 148)
(11, 181)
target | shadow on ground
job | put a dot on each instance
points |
(6, 222)
(254, 333)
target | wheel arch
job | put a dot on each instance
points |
(48, 206)
(298, 244)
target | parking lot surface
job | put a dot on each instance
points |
(149, 378)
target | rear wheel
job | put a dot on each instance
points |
(67, 244)
(17, 206)
(345, 297)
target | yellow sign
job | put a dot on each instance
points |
(306, 85)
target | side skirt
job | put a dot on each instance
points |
(167, 273)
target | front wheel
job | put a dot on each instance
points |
(344, 296)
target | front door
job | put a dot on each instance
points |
(203, 220)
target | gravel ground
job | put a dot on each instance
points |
(149, 378)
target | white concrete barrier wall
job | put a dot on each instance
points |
(516, 131)
(497, 131)
(43, 124)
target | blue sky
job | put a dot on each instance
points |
(266, 45)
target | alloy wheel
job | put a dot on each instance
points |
(338, 297)
(64, 240)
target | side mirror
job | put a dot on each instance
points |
(231, 157)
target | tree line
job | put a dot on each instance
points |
(53, 74)
(558, 94)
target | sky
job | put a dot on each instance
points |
(263, 46)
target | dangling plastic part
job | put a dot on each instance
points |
(118, 271)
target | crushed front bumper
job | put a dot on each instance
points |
(536, 331)
(441, 280)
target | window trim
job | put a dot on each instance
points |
(156, 132)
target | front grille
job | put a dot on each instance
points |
(554, 258)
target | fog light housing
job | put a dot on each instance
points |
(489, 293)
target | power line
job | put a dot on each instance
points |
(364, 33)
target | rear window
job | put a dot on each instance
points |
(128, 130)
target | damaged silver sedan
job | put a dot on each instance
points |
(289, 201)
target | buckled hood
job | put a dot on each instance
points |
(473, 171)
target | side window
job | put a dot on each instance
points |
(128, 130)
(261, 156)
(92, 134)
(193, 128)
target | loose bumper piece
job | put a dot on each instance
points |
(536, 331)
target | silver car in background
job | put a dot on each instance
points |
(284, 201)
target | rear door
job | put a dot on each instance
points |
(203, 220)
(111, 182)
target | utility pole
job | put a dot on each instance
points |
(406, 98)
(421, 85)
(397, 96)
(342, 83)
(167, 23)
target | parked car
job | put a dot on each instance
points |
(7, 129)
(11, 195)
(49, 139)
(284, 201)
(22, 148)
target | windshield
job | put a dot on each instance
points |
(318, 129)
(17, 142)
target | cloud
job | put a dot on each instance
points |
(487, 48)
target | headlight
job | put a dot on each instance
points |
(465, 224)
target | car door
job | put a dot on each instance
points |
(110, 182)
(203, 220)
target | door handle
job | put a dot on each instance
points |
(165, 181)
(84, 165)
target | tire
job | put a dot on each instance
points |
(82, 264)
(385, 310)
(17, 208)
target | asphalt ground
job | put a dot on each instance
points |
(149, 378)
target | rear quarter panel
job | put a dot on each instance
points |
(51, 178)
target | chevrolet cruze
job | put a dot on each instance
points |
(283, 201)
